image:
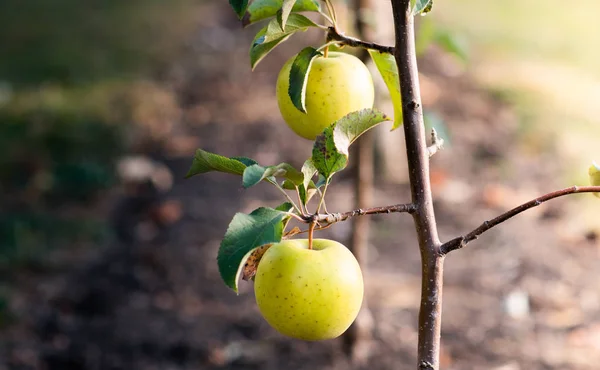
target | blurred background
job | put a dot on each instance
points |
(107, 256)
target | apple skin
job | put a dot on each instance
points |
(309, 294)
(594, 173)
(337, 85)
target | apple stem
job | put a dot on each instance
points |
(326, 51)
(311, 229)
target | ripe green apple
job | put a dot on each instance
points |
(336, 85)
(594, 172)
(309, 294)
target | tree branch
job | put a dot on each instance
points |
(461, 241)
(430, 312)
(335, 35)
(330, 218)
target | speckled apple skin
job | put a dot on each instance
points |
(337, 85)
(309, 294)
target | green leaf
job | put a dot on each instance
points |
(327, 159)
(299, 76)
(309, 170)
(427, 8)
(330, 151)
(386, 65)
(239, 6)
(288, 185)
(260, 48)
(306, 195)
(422, 7)
(320, 181)
(254, 174)
(271, 35)
(295, 23)
(245, 160)
(284, 12)
(287, 171)
(285, 207)
(263, 9)
(244, 234)
(349, 128)
(206, 162)
(307, 187)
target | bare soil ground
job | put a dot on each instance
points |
(525, 296)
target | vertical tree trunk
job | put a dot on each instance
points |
(430, 313)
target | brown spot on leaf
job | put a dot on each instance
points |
(249, 270)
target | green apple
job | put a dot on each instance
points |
(336, 85)
(309, 294)
(594, 172)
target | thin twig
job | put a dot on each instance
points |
(437, 143)
(330, 218)
(333, 34)
(461, 241)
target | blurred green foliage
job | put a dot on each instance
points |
(67, 68)
(72, 41)
(55, 154)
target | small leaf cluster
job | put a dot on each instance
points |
(265, 225)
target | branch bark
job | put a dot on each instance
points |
(418, 164)
(335, 35)
(330, 218)
(461, 241)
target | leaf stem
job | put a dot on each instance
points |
(331, 11)
(327, 18)
(322, 200)
(286, 196)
